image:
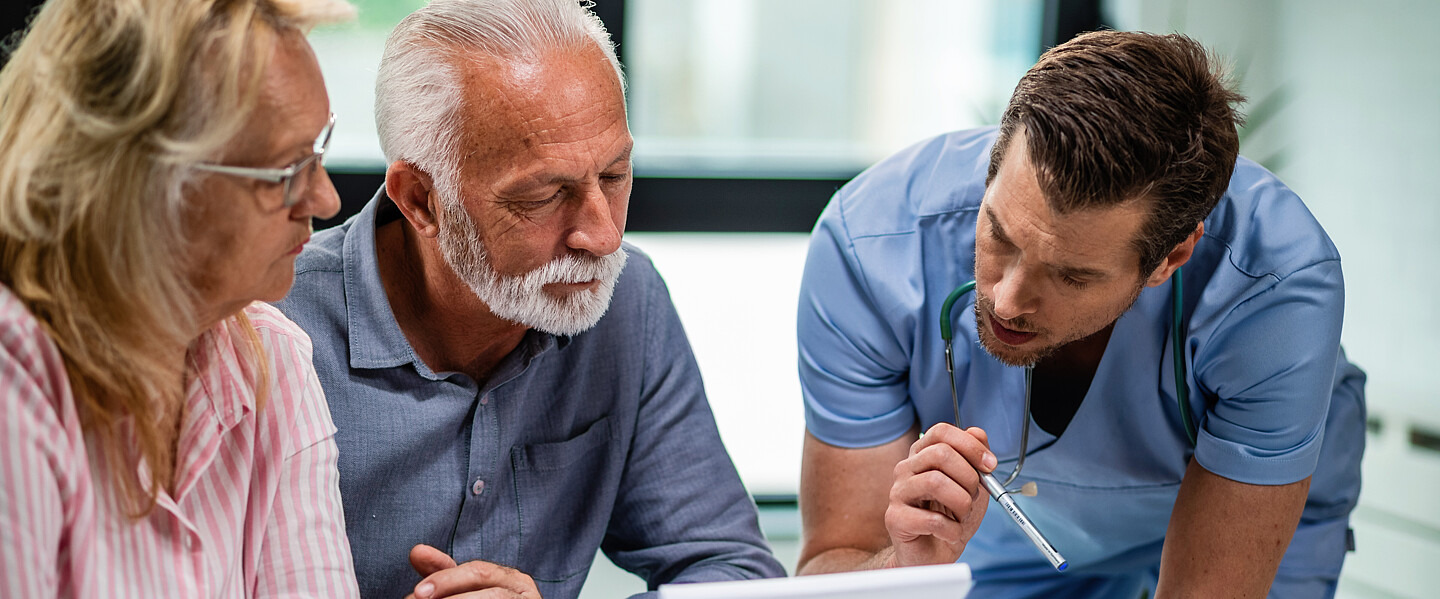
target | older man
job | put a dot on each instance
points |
(511, 383)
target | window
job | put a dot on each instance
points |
(760, 87)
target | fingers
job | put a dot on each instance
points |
(485, 579)
(908, 523)
(933, 491)
(428, 560)
(935, 474)
(491, 593)
(979, 434)
(972, 444)
(937, 500)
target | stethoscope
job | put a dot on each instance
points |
(1182, 391)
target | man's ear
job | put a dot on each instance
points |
(1177, 258)
(412, 190)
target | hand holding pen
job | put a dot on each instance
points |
(937, 499)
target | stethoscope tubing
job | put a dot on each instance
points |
(993, 486)
(1000, 491)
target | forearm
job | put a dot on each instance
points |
(847, 559)
(1227, 538)
(681, 512)
(674, 545)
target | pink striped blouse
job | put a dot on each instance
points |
(256, 510)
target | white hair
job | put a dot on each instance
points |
(522, 298)
(418, 88)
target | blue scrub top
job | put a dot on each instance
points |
(1275, 398)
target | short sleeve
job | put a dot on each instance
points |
(853, 368)
(1269, 368)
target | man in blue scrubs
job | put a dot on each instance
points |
(511, 384)
(1113, 174)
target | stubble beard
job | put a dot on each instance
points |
(1012, 356)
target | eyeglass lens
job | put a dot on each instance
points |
(304, 177)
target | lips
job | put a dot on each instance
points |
(1008, 336)
(573, 287)
(301, 246)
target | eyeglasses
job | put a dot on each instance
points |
(296, 178)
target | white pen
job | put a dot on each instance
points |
(1003, 498)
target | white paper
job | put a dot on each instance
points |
(950, 581)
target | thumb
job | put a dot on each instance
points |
(428, 560)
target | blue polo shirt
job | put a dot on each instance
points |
(600, 440)
(1275, 398)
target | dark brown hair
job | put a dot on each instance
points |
(1111, 117)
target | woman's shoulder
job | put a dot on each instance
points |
(295, 399)
(28, 356)
(282, 339)
(17, 324)
(268, 319)
(34, 385)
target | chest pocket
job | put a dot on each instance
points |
(564, 493)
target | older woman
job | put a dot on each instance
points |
(162, 434)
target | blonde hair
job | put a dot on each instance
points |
(104, 105)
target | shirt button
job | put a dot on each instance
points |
(485, 399)
(476, 488)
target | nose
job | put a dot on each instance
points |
(1013, 294)
(599, 222)
(320, 199)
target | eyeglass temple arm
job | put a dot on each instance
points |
(271, 175)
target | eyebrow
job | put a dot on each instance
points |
(995, 228)
(624, 155)
(1079, 273)
(526, 183)
(1075, 272)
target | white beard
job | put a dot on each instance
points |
(522, 298)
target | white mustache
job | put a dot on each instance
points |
(576, 268)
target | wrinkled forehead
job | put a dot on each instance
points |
(559, 96)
